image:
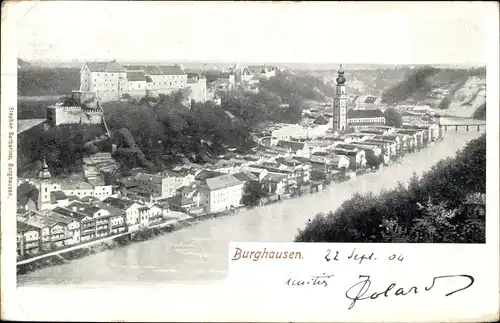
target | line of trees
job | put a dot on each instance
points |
(445, 205)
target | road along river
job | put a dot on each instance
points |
(200, 252)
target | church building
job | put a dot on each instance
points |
(340, 103)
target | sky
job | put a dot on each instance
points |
(299, 32)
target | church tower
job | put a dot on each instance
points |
(340, 103)
(44, 187)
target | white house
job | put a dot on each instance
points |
(78, 189)
(339, 161)
(28, 238)
(299, 149)
(105, 80)
(130, 208)
(359, 119)
(220, 193)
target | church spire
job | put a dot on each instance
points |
(44, 173)
(340, 78)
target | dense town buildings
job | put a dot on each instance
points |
(54, 214)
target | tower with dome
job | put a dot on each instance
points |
(340, 103)
(44, 190)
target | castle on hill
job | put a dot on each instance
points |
(111, 81)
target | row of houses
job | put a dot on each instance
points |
(379, 140)
(46, 194)
(83, 221)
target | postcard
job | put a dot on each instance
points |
(249, 161)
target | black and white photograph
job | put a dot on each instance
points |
(151, 135)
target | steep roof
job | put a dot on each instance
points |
(221, 182)
(245, 176)
(135, 76)
(24, 227)
(372, 113)
(38, 221)
(171, 70)
(337, 158)
(128, 182)
(179, 200)
(77, 186)
(193, 75)
(135, 67)
(204, 174)
(274, 177)
(57, 196)
(345, 146)
(148, 178)
(172, 173)
(152, 70)
(84, 208)
(118, 203)
(370, 99)
(321, 120)
(54, 215)
(293, 145)
(320, 153)
(372, 131)
(88, 199)
(70, 213)
(106, 67)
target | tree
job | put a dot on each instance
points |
(253, 193)
(393, 118)
(425, 210)
(445, 103)
(480, 112)
(371, 160)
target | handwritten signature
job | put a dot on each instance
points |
(360, 290)
(317, 280)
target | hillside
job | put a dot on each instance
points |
(34, 81)
(366, 81)
(457, 92)
(63, 147)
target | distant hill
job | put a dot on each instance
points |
(33, 81)
(457, 92)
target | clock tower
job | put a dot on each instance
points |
(44, 187)
(340, 103)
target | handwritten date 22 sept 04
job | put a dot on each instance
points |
(356, 256)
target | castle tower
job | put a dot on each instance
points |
(340, 103)
(44, 187)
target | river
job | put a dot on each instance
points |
(200, 252)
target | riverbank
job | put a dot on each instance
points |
(257, 213)
(66, 255)
(199, 252)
